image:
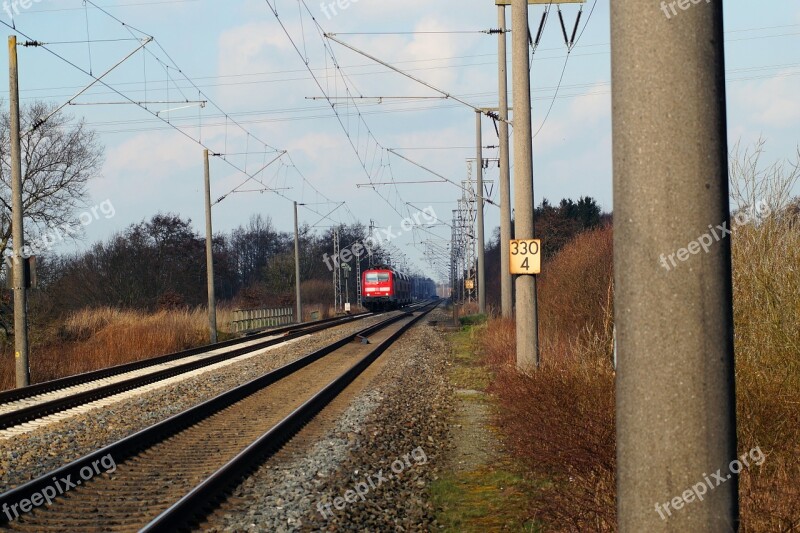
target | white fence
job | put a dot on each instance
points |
(244, 319)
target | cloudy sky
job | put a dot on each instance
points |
(258, 85)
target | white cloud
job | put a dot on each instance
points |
(595, 106)
(146, 163)
(771, 103)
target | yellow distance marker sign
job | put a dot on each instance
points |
(526, 257)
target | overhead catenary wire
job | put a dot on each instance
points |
(324, 35)
(97, 80)
(414, 78)
(272, 79)
(445, 179)
(116, 6)
(434, 32)
(92, 84)
(228, 117)
(174, 66)
(404, 110)
(570, 46)
(362, 161)
(113, 90)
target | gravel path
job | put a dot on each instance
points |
(388, 446)
(28, 456)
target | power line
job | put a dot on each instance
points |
(271, 74)
(448, 95)
(329, 51)
(114, 90)
(228, 118)
(368, 133)
(404, 110)
(115, 6)
(441, 32)
(426, 108)
(175, 67)
(570, 46)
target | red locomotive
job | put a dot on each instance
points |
(385, 288)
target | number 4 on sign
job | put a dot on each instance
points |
(526, 257)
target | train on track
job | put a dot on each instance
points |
(384, 288)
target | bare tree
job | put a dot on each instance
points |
(752, 182)
(59, 157)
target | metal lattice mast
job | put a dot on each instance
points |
(454, 257)
(464, 232)
(468, 217)
(372, 240)
(458, 254)
(438, 256)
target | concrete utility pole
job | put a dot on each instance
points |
(212, 301)
(23, 377)
(479, 199)
(527, 319)
(297, 267)
(676, 418)
(506, 283)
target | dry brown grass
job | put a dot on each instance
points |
(767, 321)
(468, 309)
(91, 339)
(559, 421)
(576, 300)
(766, 288)
(98, 338)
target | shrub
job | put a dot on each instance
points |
(559, 420)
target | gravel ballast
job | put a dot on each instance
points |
(388, 445)
(25, 457)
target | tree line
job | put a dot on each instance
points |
(556, 225)
(160, 263)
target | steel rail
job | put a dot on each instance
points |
(148, 437)
(203, 498)
(33, 412)
(86, 377)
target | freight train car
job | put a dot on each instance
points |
(422, 289)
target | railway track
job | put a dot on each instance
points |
(170, 475)
(36, 402)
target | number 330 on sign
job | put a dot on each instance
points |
(526, 257)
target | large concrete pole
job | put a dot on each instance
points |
(23, 375)
(481, 236)
(676, 424)
(527, 320)
(506, 283)
(212, 300)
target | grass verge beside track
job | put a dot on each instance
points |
(483, 489)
